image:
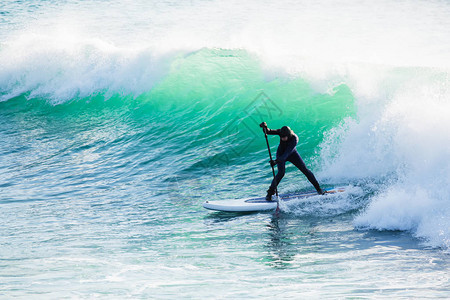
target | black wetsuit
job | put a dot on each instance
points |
(286, 152)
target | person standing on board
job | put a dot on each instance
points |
(286, 152)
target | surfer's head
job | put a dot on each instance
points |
(285, 133)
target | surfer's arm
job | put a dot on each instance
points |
(266, 129)
(273, 131)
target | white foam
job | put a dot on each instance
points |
(325, 205)
(421, 211)
(65, 67)
(405, 140)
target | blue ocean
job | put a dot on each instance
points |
(118, 119)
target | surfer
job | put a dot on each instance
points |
(286, 152)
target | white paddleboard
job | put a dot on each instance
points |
(258, 204)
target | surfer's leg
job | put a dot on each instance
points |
(295, 159)
(281, 166)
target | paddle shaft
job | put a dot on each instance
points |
(270, 155)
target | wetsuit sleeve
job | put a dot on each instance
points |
(289, 148)
(273, 131)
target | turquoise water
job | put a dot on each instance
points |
(118, 120)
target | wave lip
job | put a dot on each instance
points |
(62, 69)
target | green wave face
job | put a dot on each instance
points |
(211, 103)
(217, 98)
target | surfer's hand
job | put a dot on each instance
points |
(263, 125)
(273, 162)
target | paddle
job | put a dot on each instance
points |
(270, 156)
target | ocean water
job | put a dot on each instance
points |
(118, 119)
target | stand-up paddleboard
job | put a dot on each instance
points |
(259, 204)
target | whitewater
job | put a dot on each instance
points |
(119, 119)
